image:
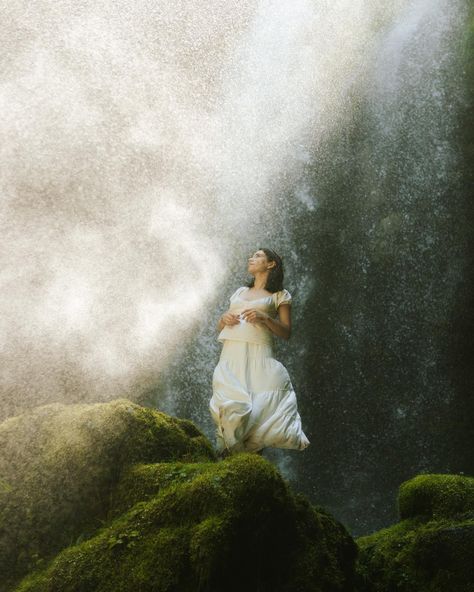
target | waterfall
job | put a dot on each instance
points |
(148, 148)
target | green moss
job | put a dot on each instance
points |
(418, 556)
(142, 481)
(210, 544)
(431, 548)
(232, 525)
(59, 466)
(323, 542)
(436, 496)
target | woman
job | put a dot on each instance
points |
(253, 403)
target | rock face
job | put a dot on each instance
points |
(432, 548)
(118, 497)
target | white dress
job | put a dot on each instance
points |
(253, 404)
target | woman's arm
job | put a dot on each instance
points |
(282, 326)
(220, 324)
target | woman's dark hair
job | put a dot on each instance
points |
(275, 275)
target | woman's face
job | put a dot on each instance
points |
(257, 262)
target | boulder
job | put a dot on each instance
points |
(432, 548)
(59, 465)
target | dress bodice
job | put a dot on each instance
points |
(253, 332)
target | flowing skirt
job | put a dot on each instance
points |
(253, 404)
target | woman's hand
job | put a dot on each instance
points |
(230, 318)
(252, 315)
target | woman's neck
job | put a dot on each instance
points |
(259, 283)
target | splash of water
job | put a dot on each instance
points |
(137, 140)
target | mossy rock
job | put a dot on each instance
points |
(143, 481)
(436, 496)
(59, 465)
(431, 548)
(229, 525)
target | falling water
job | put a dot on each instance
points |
(148, 147)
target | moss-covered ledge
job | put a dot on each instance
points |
(59, 465)
(230, 525)
(432, 548)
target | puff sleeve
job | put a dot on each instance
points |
(281, 297)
